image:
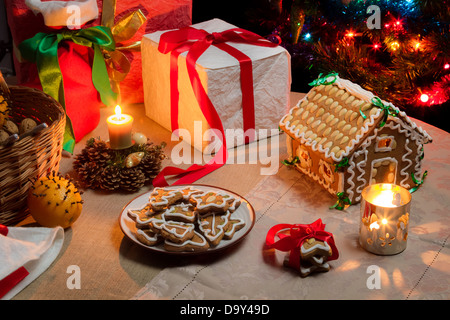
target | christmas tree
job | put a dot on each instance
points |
(397, 49)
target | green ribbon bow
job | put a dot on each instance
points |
(388, 110)
(343, 163)
(290, 163)
(418, 183)
(324, 80)
(43, 50)
(341, 201)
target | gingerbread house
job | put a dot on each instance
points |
(346, 138)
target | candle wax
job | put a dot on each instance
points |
(119, 128)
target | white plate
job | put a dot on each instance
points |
(245, 212)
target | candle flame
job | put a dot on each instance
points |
(118, 111)
(384, 221)
(384, 198)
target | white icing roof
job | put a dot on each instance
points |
(328, 118)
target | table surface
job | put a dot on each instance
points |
(111, 266)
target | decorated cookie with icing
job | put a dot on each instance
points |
(307, 267)
(213, 226)
(188, 192)
(312, 247)
(144, 216)
(160, 198)
(184, 212)
(195, 244)
(233, 202)
(148, 237)
(235, 224)
(211, 201)
(176, 231)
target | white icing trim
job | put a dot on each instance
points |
(188, 227)
(146, 236)
(404, 171)
(325, 246)
(380, 160)
(185, 208)
(234, 226)
(362, 94)
(209, 231)
(189, 242)
(384, 149)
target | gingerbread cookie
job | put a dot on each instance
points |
(160, 198)
(306, 268)
(142, 217)
(188, 192)
(184, 212)
(196, 244)
(213, 226)
(148, 237)
(211, 201)
(186, 219)
(234, 225)
(313, 247)
(176, 231)
(233, 203)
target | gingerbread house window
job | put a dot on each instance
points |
(326, 171)
(385, 143)
(305, 160)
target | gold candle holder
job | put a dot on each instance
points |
(384, 218)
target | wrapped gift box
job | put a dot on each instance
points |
(161, 15)
(219, 73)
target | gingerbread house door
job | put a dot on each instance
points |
(383, 170)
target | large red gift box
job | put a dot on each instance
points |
(24, 24)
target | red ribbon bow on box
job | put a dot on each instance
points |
(298, 233)
(196, 42)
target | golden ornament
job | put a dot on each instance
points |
(54, 201)
(133, 159)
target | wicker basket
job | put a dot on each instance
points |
(32, 156)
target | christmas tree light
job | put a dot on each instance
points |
(404, 61)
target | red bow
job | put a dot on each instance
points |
(196, 42)
(298, 233)
(3, 230)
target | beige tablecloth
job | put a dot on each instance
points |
(247, 271)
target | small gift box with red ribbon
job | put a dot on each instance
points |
(310, 247)
(213, 75)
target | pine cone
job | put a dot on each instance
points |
(151, 163)
(150, 166)
(131, 179)
(80, 159)
(89, 174)
(98, 151)
(110, 178)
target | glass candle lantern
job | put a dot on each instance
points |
(384, 218)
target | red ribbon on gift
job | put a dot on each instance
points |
(196, 42)
(298, 233)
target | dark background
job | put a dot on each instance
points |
(247, 14)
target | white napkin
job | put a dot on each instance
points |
(32, 249)
(65, 13)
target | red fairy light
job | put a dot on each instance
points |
(424, 97)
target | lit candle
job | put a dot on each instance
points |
(119, 127)
(384, 216)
